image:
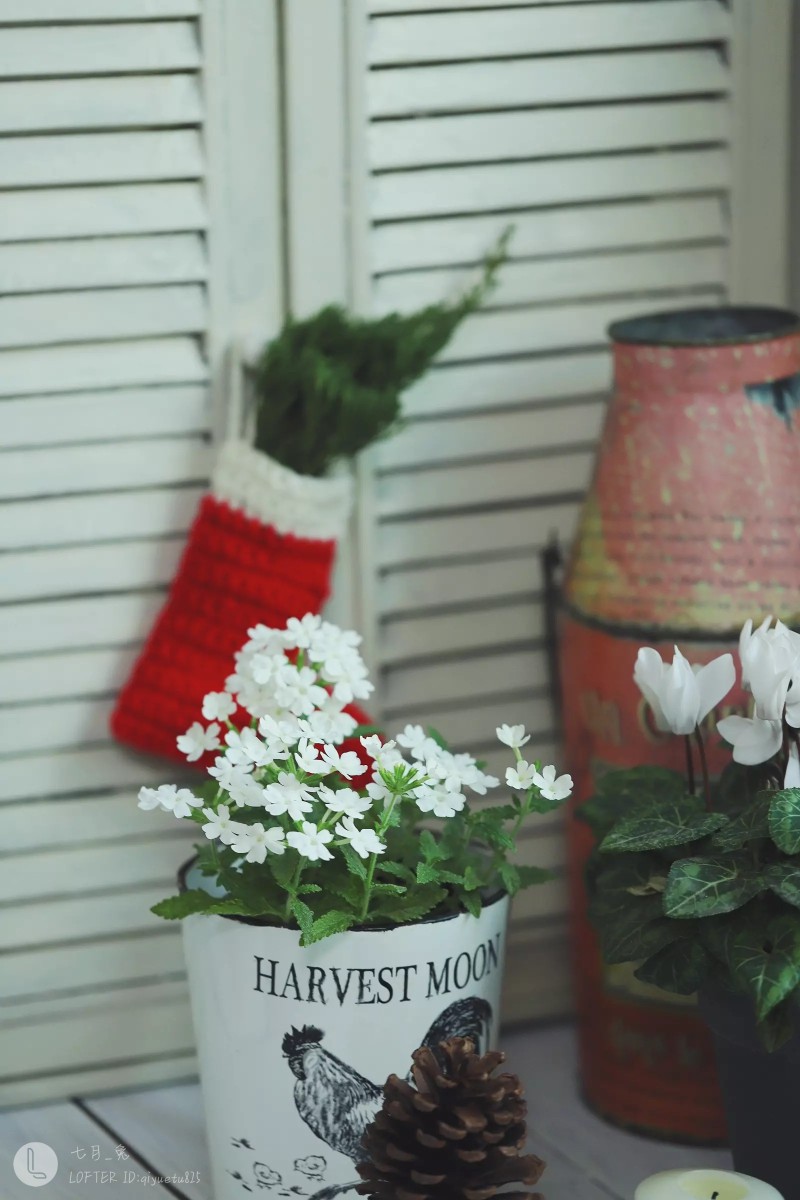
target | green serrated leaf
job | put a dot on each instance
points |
(472, 903)
(333, 921)
(282, 867)
(433, 873)
(308, 889)
(710, 886)
(746, 826)
(431, 847)
(303, 915)
(784, 820)
(672, 824)
(355, 864)
(681, 967)
(396, 871)
(196, 900)
(388, 889)
(532, 876)
(784, 880)
(414, 905)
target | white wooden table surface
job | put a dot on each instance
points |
(161, 1132)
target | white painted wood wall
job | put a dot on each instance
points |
(151, 209)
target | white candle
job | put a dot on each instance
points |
(704, 1185)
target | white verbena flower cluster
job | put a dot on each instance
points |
(285, 781)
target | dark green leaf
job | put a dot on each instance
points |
(303, 915)
(778, 1026)
(355, 864)
(432, 850)
(472, 903)
(329, 923)
(784, 820)
(636, 932)
(674, 823)
(530, 876)
(784, 880)
(747, 826)
(735, 789)
(765, 959)
(433, 873)
(707, 887)
(282, 867)
(618, 792)
(681, 967)
(413, 906)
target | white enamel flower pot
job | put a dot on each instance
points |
(295, 1043)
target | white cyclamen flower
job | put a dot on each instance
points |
(219, 825)
(439, 801)
(255, 842)
(346, 801)
(769, 662)
(218, 706)
(553, 788)
(311, 842)
(364, 841)
(289, 795)
(679, 696)
(197, 741)
(178, 801)
(347, 763)
(522, 776)
(513, 736)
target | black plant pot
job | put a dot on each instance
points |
(761, 1092)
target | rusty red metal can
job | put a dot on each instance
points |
(689, 528)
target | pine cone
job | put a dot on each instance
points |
(457, 1135)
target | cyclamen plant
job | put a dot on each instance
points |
(699, 880)
(300, 831)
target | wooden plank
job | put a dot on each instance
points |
(35, 628)
(26, 215)
(439, 37)
(77, 771)
(377, 7)
(76, 624)
(483, 434)
(436, 489)
(101, 262)
(420, 638)
(110, 364)
(101, 158)
(32, 677)
(63, 11)
(491, 137)
(567, 79)
(404, 689)
(466, 728)
(405, 595)
(101, 315)
(522, 331)
(70, 723)
(560, 278)
(83, 869)
(128, 101)
(24, 1090)
(516, 381)
(103, 416)
(37, 825)
(26, 524)
(95, 964)
(53, 470)
(444, 190)
(433, 538)
(82, 570)
(121, 49)
(401, 246)
(112, 914)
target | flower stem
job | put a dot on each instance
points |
(368, 887)
(689, 763)
(293, 886)
(703, 767)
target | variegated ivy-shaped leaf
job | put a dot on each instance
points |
(617, 792)
(765, 959)
(681, 967)
(784, 881)
(747, 826)
(784, 820)
(627, 908)
(707, 886)
(674, 823)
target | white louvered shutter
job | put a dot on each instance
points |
(138, 235)
(628, 143)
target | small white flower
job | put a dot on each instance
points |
(289, 795)
(439, 801)
(197, 741)
(513, 736)
(279, 736)
(553, 788)
(218, 706)
(311, 843)
(225, 772)
(178, 801)
(372, 745)
(263, 638)
(346, 801)
(245, 748)
(149, 799)
(255, 842)
(264, 668)
(412, 738)
(679, 696)
(299, 690)
(364, 841)
(219, 825)
(300, 631)
(347, 764)
(245, 790)
(379, 792)
(522, 777)
(307, 758)
(329, 724)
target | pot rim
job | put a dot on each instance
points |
(495, 897)
(642, 330)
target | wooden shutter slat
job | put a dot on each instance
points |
(430, 539)
(55, 11)
(106, 364)
(453, 632)
(48, 824)
(81, 570)
(445, 683)
(26, 524)
(490, 137)
(83, 869)
(35, 628)
(98, 467)
(46, 266)
(105, 103)
(99, 416)
(407, 596)
(100, 158)
(563, 278)
(57, 317)
(91, 212)
(79, 771)
(117, 913)
(64, 676)
(376, 7)
(446, 190)
(95, 965)
(438, 37)
(69, 723)
(566, 79)
(405, 245)
(474, 724)
(77, 50)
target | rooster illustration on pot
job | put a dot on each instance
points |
(336, 1101)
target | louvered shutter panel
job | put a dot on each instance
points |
(138, 235)
(625, 141)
